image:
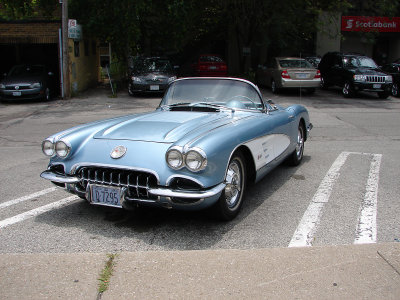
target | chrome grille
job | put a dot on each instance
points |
(137, 183)
(375, 79)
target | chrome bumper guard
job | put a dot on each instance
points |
(59, 178)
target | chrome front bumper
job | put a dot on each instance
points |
(160, 191)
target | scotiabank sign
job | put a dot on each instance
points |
(367, 24)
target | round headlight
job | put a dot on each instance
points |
(62, 149)
(195, 161)
(174, 159)
(48, 148)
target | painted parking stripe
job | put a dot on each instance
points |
(366, 228)
(37, 211)
(28, 197)
(305, 231)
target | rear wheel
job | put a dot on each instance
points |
(274, 88)
(296, 157)
(395, 90)
(230, 202)
(347, 90)
(324, 84)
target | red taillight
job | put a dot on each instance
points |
(223, 67)
(318, 75)
(285, 75)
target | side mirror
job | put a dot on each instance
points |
(50, 73)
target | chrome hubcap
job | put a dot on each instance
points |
(233, 184)
(300, 143)
(346, 89)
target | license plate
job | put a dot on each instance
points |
(212, 68)
(302, 75)
(104, 195)
(377, 86)
(16, 93)
(154, 88)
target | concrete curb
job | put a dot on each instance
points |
(332, 272)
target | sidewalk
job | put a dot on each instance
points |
(333, 272)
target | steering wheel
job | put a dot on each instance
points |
(241, 98)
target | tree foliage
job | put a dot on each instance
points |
(173, 26)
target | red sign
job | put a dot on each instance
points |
(368, 24)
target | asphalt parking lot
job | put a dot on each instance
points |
(353, 149)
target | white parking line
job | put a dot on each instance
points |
(28, 197)
(304, 234)
(37, 211)
(366, 229)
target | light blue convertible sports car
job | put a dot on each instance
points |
(208, 138)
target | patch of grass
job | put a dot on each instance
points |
(106, 273)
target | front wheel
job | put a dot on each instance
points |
(297, 155)
(231, 199)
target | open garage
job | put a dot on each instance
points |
(30, 42)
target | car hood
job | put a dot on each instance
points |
(151, 75)
(164, 126)
(369, 71)
(22, 79)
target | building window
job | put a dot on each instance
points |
(76, 49)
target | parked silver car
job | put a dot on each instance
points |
(27, 82)
(288, 72)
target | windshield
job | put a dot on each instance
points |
(152, 65)
(294, 63)
(26, 70)
(225, 92)
(352, 61)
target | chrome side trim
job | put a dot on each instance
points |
(166, 192)
(58, 177)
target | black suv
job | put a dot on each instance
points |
(354, 73)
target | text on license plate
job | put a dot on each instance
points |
(376, 86)
(16, 93)
(104, 195)
(302, 75)
(154, 88)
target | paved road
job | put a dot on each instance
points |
(345, 191)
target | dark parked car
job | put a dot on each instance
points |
(209, 65)
(150, 74)
(27, 82)
(354, 73)
(394, 70)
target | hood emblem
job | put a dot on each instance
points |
(17, 87)
(118, 152)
